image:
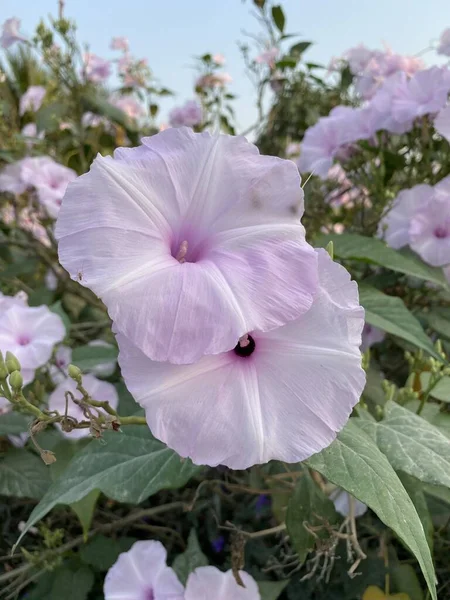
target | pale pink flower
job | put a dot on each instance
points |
(293, 149)
(97, 69)
(30, 333)
(50, 180)
(324, 140)
(213, 80)
(11, 180)
(206, 583)
(268, 57)
(6, 302)
(442, 123)
(31, 133)
(97, 390)
(30, 220)
(32, 99)
(129, 105)
(279, 395)
(381, 105)
(358, 58)
(51, 281)
(371, 335)
(120, 43)
(341, 500)
(199, 225)
(59, 371)
(10, 33)
(190, 114)
(426, 92)
(444, 43)
(142, 574)
(394, 227)
(219, 59)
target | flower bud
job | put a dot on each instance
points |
(12, 364)
(16, 381)
(3, 369)
(74, 373)
(330, 249)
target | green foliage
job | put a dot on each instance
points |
(190, 559)
(355, 463)
(87, 357)
(23, 475)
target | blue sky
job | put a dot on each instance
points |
(170, 32)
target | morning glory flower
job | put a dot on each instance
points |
(142, 574)
(30, 333)
(191, 242)
(10, 33)
(206, 583)
(341, 501)
(32, 99)
(282, 394)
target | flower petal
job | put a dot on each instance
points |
(286, 401)
(206, 583)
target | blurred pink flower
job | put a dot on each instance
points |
(213, 80)
(426, 92)
(11, 180)
(119, 43)
(32, 99)
(190, 114)
(442, 123)
(60, 370)
(206, 583)
(420, 218)
(444, 43)
(358, 58)
(10, 33)
(280, 395)
(97, 69)
(97, 389)
(30, 220)
(6, 302)
(30, 333)
(142, 574)
(324, 140)
(30, 131)
(371, 335)
(293, 149)
(50, 179)
(204, 222)
(129, 105)
(381, 105)
(219, 59)
(268, 57)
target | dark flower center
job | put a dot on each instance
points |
(23, 340)
(149, 595)
(245, 347)
(441, 232)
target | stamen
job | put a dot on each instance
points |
(181, 255)
(244, 341)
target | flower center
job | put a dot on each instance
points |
(182, 251)
(440, 232)
(246, 346)
(149, 595)
(23, 340)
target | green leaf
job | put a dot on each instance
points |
(102, 552)
(411, 444)
(102, 107)
(85, 507)
(414, 487)
(391, 315)
(439, 320)
(404, 579)
(13, 423)
(127, 467)
(25, 266)
(351, 246)
(191, 559)
(278, 17)
(298, 49)
(346, 78)
(308, 504)
(23, 475)
(58, 309)
(354, 462)
(271, 590)
(48, 117)
(88, 357)
(441, 390)
(127, 404)
(68, 582)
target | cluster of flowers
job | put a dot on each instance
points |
(42, 174)
(394, 107)
(30, 334)
(142, 572)
(239, 339)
